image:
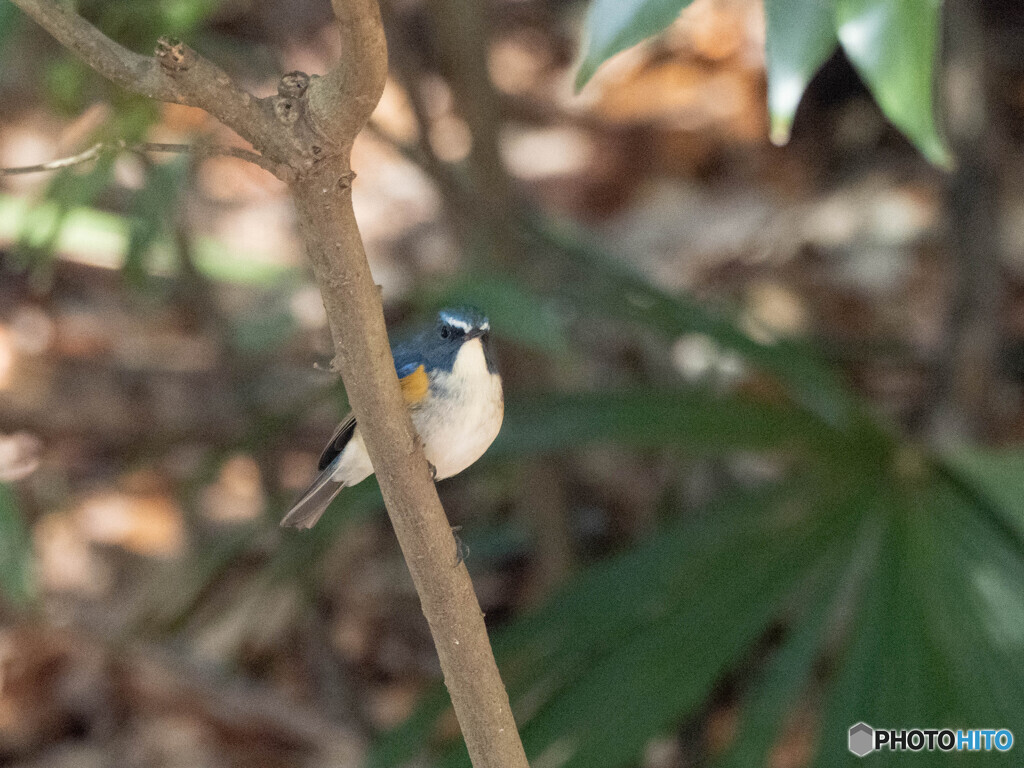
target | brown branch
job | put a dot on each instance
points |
(342, 100)
(965, 386)
(198, 150)
(55, 165)
(133, 72)
(308, 130)
(175, 74)
(444, 587)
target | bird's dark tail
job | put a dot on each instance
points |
(314, 502)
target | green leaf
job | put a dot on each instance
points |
(615, 25)
(11, 20)
(880, 679)
(787, 673)
(894, 46)
(103, 237)
(541, 652)
(637, 642)
(183, 17)
(696, 420)
(15, 551)
(66, 79)
(997, 475)
(43, 223)
(602, 287)
(974, 588)
(692, 627)
(859, 670)
(150, 211)
(137, 24)
(800, 37)
(937, 638)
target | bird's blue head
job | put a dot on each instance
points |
(440, 345)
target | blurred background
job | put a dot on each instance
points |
(760, 476)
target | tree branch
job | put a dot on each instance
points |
(342, 100)
(307, 130)
(55, 165)
(174, 74)
(444, 587)
(133, 72)
(198, 150)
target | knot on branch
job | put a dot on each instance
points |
(173, 54)
(293, 85)
(287, 110)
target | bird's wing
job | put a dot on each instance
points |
(338, 441)
(412, 375)
(414, 383)
(407, 356)
(314, 502)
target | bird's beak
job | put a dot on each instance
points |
(476, 333)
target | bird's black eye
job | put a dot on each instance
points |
(445, 332)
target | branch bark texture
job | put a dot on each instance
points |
(305, 135)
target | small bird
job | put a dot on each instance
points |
(453, 391)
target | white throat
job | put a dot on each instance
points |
(465, 412)
(470, 362)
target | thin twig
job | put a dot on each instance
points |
(93, 152)
(54, 165)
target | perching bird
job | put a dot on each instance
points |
(453, 390)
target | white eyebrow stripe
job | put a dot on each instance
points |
(457, 322)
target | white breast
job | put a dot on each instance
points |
(457, 421)
(464, 412)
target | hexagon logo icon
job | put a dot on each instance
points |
(862, 739)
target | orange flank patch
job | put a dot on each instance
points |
(415, 385)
